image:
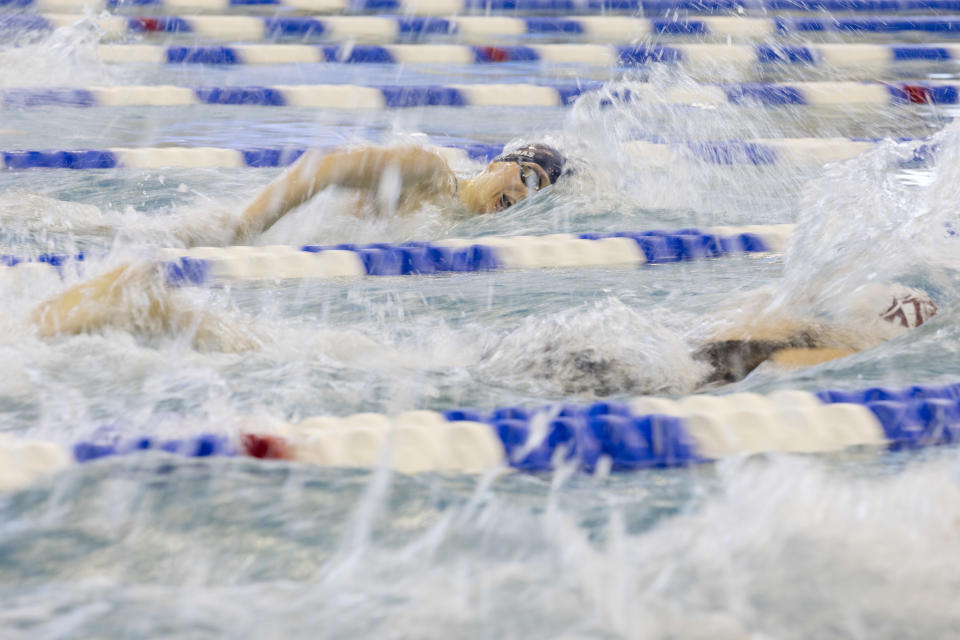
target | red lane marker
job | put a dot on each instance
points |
(148, 24)
(917, 94)
(495, 54)
(266, 447)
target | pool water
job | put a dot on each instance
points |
(861, 544)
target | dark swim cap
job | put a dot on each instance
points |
(549, 159)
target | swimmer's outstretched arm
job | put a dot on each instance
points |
(134, 297)
(420, 172)
(100, 301)
(791, 358)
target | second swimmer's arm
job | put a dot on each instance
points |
(363, 169)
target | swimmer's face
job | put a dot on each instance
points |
(503, 184)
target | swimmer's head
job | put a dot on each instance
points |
(511, 177)
(547, 159)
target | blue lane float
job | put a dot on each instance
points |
(57, 159)
(201, 446)
(629, 443)
(52, 259)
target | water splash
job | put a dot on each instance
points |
(750, 549)
(594, 350)
(864, 227)
(65, 57)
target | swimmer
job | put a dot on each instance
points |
(402, 179)
(754, 336)
(754, 332)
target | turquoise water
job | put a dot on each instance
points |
(855, 545)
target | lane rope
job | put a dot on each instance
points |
(210, 265)
(486, 95)
(637, 434)
(843, 57)
(478, 29)
(758, 152)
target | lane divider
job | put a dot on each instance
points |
(641, 433)
(758, 152)
(486, 95)
(477, 29)
(843, 57)
(208, 265)
(513, 7)
(204, 265)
